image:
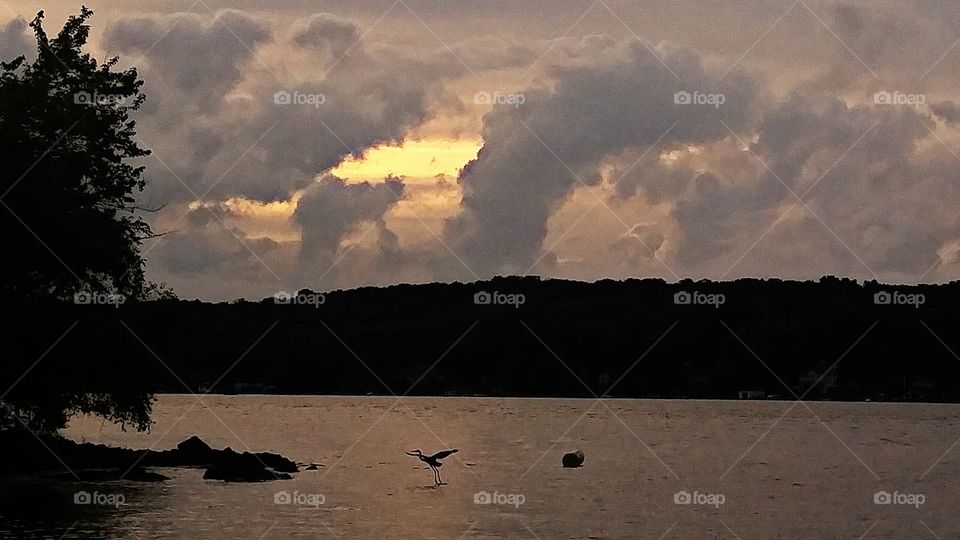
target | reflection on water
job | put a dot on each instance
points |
(34, 508)
(778, 470)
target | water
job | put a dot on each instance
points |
(776, 475)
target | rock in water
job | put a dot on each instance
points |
(246, 467)
(573, 459)
(98, 462)
(195, 451)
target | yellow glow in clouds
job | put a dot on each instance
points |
(423, 159)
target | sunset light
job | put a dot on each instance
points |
(413, 160)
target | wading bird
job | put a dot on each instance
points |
(434, 462)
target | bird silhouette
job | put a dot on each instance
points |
(434, 462)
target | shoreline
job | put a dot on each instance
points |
(61, 458)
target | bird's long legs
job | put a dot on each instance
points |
(436, 476)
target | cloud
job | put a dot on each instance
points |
(327, 33)
(236, 135)
(331, 208)
(202, 56)
(207, 246)
(947, 110)
(14, 40)
(640, 244)
(883, 186)
(862, 172)
(536, 153)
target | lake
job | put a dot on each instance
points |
(654, 468)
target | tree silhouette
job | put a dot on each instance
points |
(69, 216)
(66, 182)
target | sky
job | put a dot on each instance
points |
(334, 145)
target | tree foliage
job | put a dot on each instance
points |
(68, 184)
(70, 219)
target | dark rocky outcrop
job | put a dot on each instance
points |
(66, 459)
(195, 450)
(276, 462)
(246, 467)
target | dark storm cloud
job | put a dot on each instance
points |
(202, 56)
(207, 246)
(331, 208)
(328, 33)
(947, 110)
(704, 219)
(535, 154)
(799, 102)
(269, 129)
(862, 180)
(601, 100)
